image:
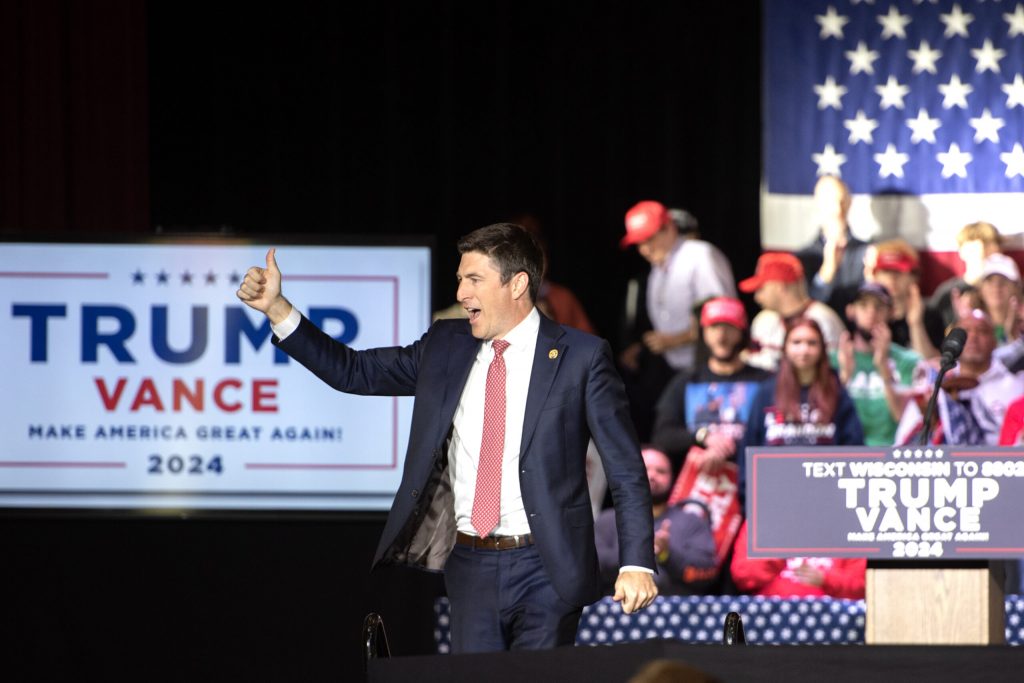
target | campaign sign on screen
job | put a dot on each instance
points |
(936, 502)
(134, 377)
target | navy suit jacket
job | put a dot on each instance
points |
(574, 394)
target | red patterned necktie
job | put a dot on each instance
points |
(487, 498)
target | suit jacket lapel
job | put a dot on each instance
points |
(546, 361)
(460, 361)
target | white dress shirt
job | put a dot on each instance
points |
(467, 434)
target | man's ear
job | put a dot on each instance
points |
(849, 312)
(520, 284)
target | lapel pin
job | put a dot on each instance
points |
(553, 354)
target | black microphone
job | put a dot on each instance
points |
(953, 345)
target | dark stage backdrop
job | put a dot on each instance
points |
(338, 118)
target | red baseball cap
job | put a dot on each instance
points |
(724, 309)
(897, 261)
(773, 266)
(642, 221)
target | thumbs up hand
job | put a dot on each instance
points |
(261, 290)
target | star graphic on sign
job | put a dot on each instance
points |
(1014, 160)
(861, 128)
(954, 93)
(829, 161)
(986, 127)
(861, 59)
(956, 22)
(892, 93)
(161, 277)
(1014, 91)
(186, 278)
(894, 23)
(831, 23)
(891, 162)
(137, 277)
(1016, 22)
(923, 127)
(830, 94)
(954, 162)
(235, 278)
(211, 278)
(924, 58)
(988, 57)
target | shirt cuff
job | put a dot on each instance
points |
(635, 568)
(288, 325)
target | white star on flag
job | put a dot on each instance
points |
(988, 57)
(894, 23)
(1014, 159)
(829, 161)
(1016, 22)
(954, 93)
(861, 59)
(829, 94)
(986, 127)
(956, 22)
(831, 23)
(954, 162)
(924, 58)
(890, 162)
(861, 128)
(892, 93)
(923, 127)
(1014, 91)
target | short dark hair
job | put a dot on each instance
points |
(512, 249)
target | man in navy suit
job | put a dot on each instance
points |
(494, 490)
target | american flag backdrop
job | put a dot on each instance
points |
(917, 104)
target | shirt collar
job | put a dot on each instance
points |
(523, 333)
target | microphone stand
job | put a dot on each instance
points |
(930, 411)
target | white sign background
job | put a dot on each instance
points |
(141, 431)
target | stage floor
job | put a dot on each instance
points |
(794, 664)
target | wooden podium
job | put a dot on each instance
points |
(934, 603)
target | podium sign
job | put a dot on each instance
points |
(907, 503)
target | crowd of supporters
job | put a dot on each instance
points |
(843, 350)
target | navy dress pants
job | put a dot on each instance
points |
(502, 600)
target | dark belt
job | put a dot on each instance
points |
(494, 542)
